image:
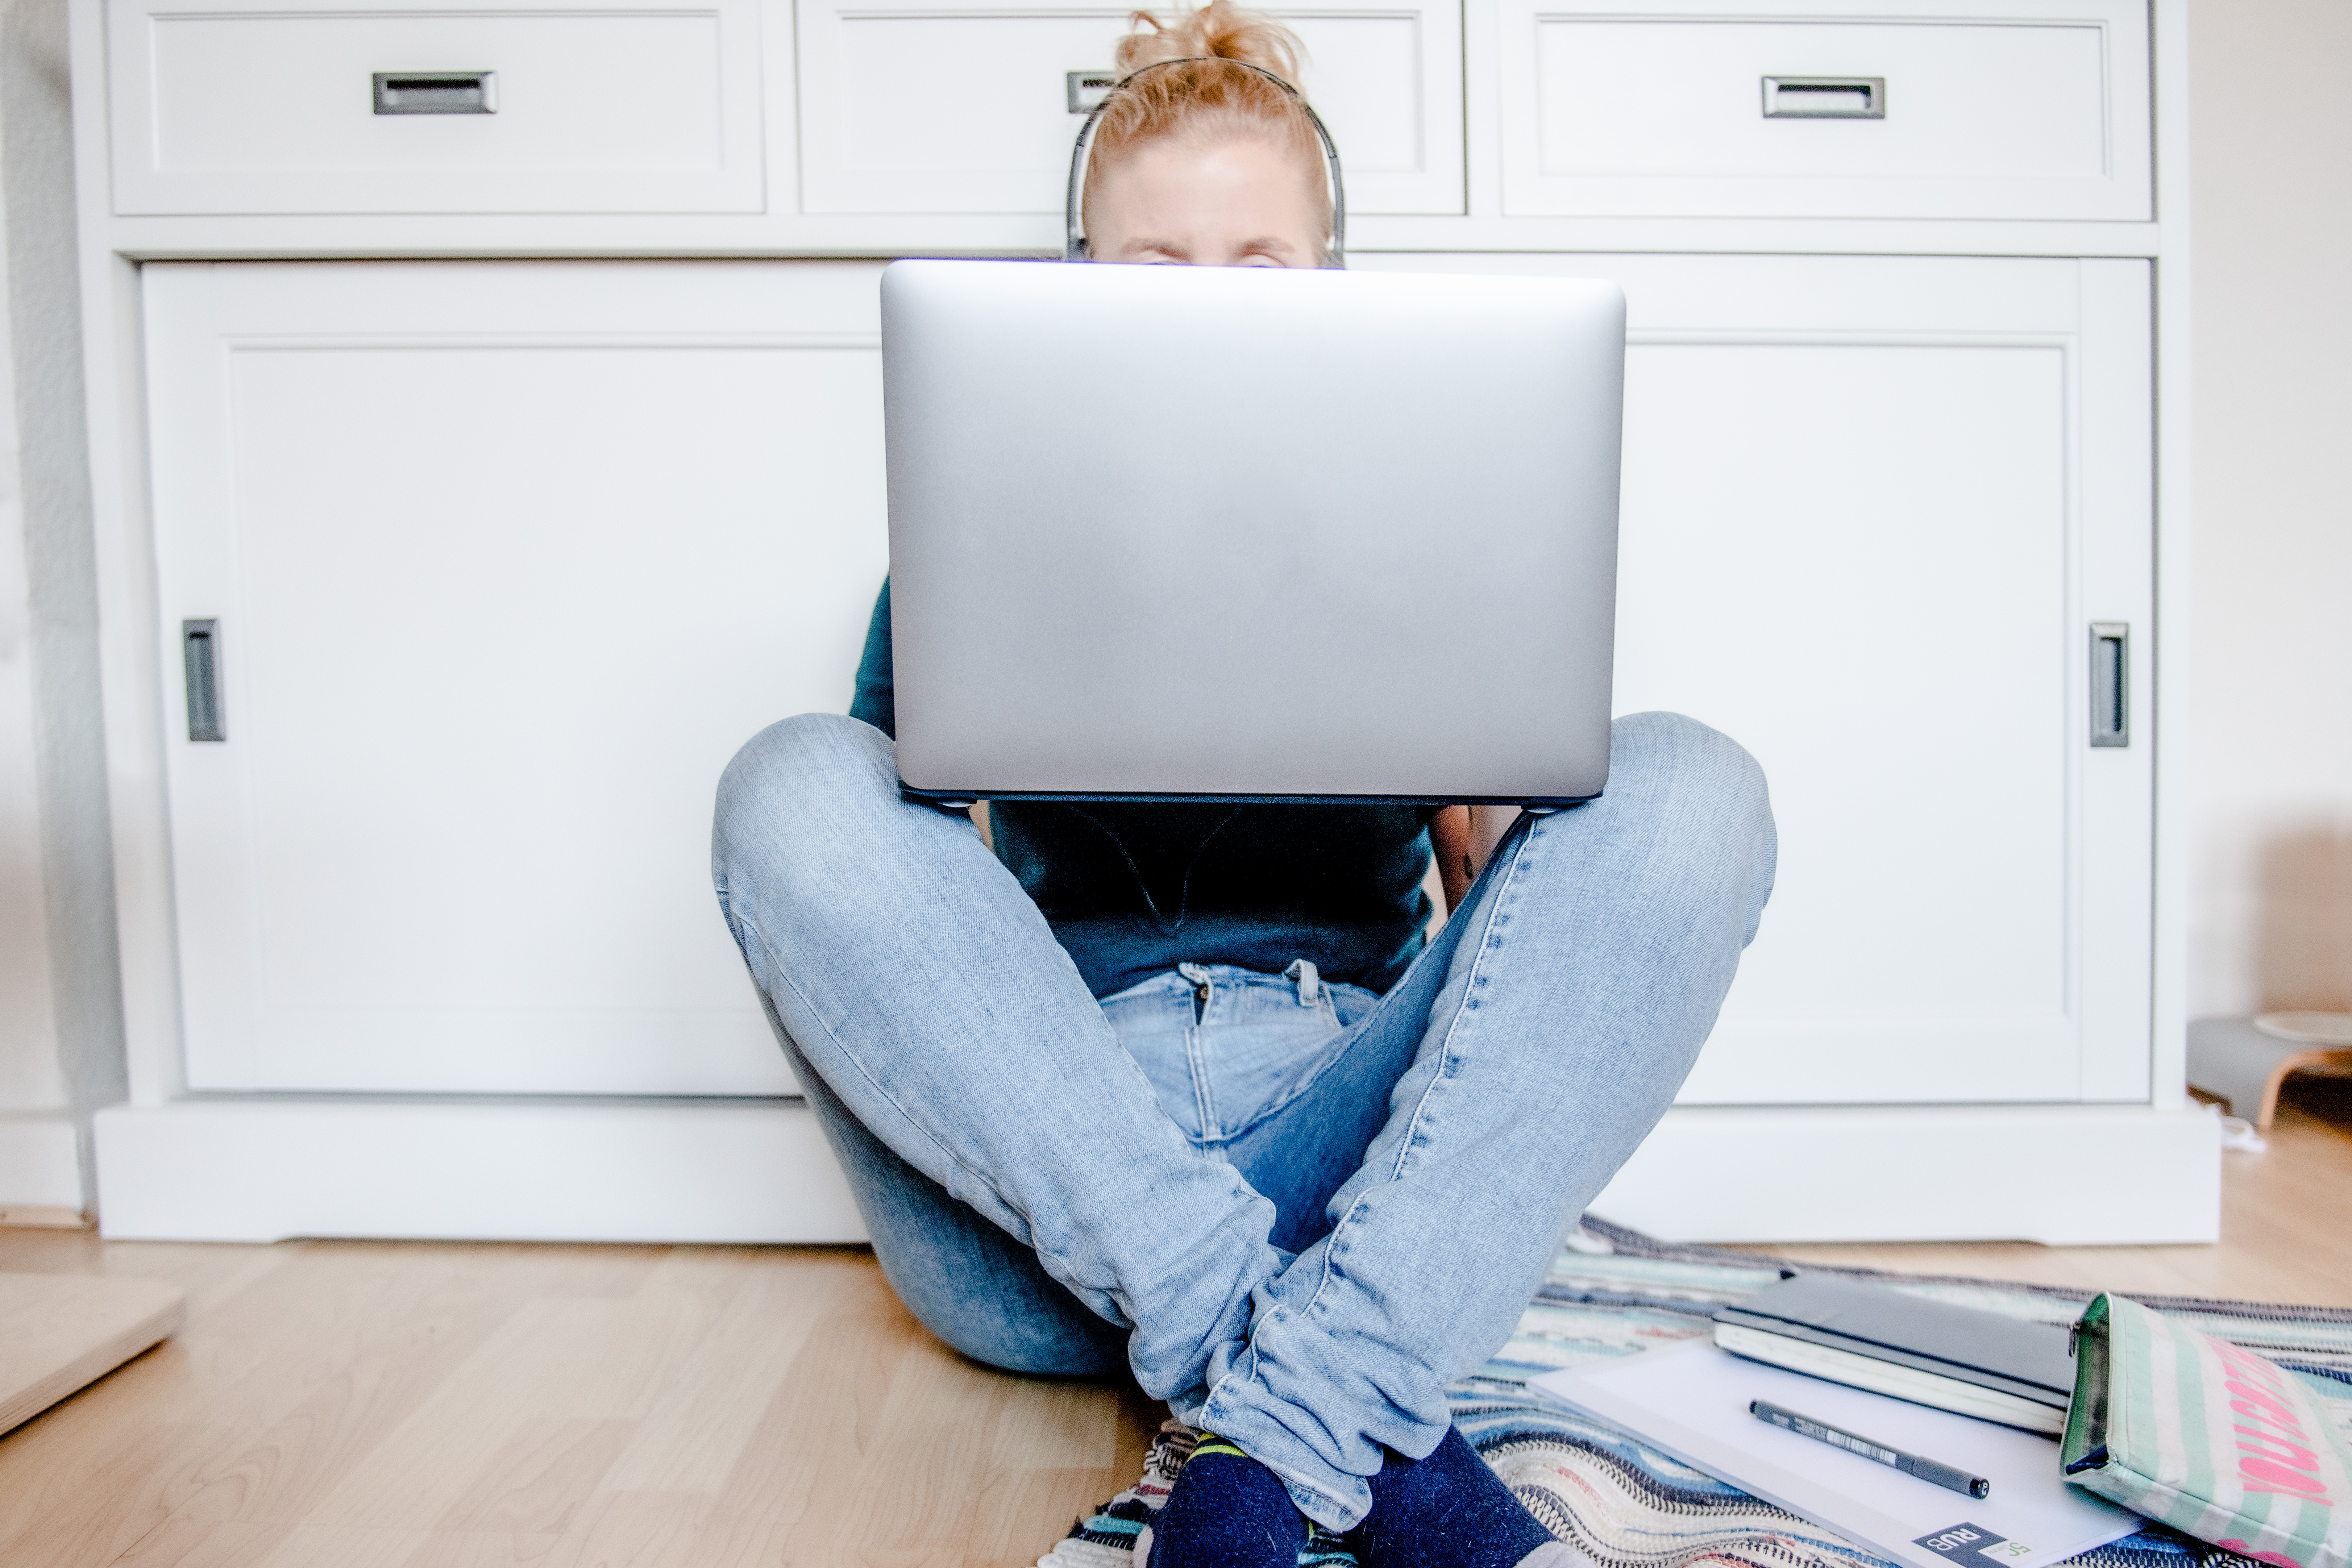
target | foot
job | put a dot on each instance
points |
(1226, 1510)
(1450, 1511)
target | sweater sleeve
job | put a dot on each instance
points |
(875, 700)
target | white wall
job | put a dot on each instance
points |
(60, 1015)
(2270, 135)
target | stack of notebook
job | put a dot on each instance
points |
(1959, 1359)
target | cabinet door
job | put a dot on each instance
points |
(1871, 508)
(965, 106)
(506, 559)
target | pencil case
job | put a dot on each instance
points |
(2213, 1440)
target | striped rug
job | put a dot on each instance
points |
(1616, 1292)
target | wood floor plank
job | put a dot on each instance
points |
(91, 1500)
(310, 1546)
(628, 1530)
(548, 1360)
(808, 1477)
(1050, 1426)
(934, 1428)
(290, 1408)
(695, 1436)
(535, 1483)
(204, 1544)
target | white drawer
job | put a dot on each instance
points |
(961, 106)
(650, 107)
(2022, 108)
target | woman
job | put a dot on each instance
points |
(1182, 1084)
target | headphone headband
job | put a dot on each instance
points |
(1073, 247)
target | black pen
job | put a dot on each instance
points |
(1909, 1464)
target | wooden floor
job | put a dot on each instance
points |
(344, 1405)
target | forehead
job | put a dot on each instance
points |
(1243, 164)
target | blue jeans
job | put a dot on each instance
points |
(1299, 1213)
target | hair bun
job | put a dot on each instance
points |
(1218, 30)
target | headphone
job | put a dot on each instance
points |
(1335, 252)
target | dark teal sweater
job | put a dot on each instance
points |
(1134, 889)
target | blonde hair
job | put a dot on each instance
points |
(1210, 95)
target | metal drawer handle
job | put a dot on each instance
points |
(199, 647)
(2111, 683)
(436, 93)
(1824, 98)
(1086, 89)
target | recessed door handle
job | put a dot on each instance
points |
(2111, 683)
(436, 93)
(1824, 98)
(200, 649)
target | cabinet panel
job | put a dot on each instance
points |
(507, 560)
(2030, 111)
(961, 106)
(1866, 521)
(273, 108)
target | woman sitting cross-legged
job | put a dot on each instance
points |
(1183, 1086)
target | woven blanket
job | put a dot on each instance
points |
(1616, 1292)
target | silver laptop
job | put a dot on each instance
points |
(1188, 532)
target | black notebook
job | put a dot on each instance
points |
(1960, 1359)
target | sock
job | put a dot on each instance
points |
(1226, 1510)
(1325, 1549)
(1450, 1511)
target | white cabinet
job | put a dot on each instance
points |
(505, 560)
(965, 106)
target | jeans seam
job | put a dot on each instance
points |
(1331, 1243)
(1502, 893)
(1445, 1050)
(849, 1056)
(1204, 1098)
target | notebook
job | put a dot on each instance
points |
(1954, 1358)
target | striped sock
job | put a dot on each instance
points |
(1227, 1510)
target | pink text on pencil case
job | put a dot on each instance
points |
(2273, 1462)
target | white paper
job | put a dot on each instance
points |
(1690, 1401)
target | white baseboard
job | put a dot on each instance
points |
(40, 1163)
(264, 1169)
(2066, 1175)
(722, 1171)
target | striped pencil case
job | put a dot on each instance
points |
(2210, 1439)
